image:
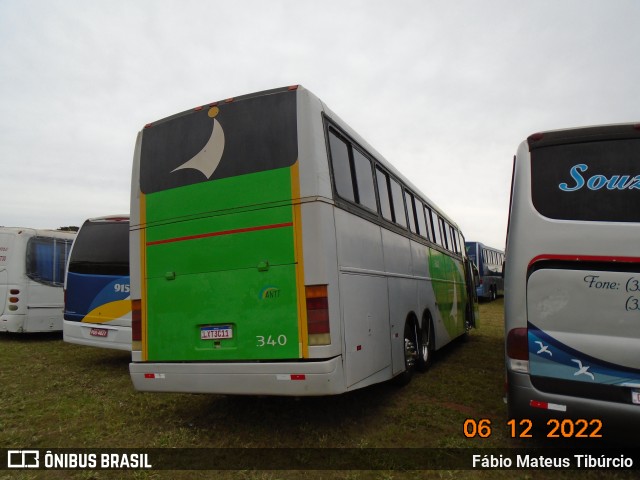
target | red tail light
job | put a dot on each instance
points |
(136, 320)
(518, 350)
(318, 315)
(518, 344)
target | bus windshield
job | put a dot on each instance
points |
(244, 135)
(590, 181)
(103, 249)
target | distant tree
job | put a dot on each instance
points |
(69, 229)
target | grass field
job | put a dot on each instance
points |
(58, 395)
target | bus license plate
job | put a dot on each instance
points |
(99, 332)
(635, 396)
(216, 333)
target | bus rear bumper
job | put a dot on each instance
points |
(37, 320)
(307, 378)
(12, 323)
(526, 402)
(117, 337)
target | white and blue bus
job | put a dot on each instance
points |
(97, 310)
(489, 262)
(572, 279)
(274, 251)
(32, 267)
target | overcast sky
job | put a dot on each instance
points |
(445, 90)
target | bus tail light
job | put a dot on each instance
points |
(136, 320)
(518, 350)
(318, 315)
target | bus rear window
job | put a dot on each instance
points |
(590, 181)
(46, 259)
(218, 141)
(101, 248)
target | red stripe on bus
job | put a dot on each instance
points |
(584, 258)
(218, 234)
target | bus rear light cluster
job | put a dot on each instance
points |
(136, 320)
(13, 299)
(318, 315)
(518, 350)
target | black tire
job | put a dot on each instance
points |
(410, 353)
(425, 345)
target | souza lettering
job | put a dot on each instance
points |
(597, 182)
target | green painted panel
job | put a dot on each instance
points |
(450, 291)
(223, 253)
(261, 308)
(223, 243)
(253, 191)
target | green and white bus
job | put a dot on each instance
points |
(275, 252)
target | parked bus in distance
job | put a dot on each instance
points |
(489, 262)
(275, 252)
(32, 264)
(572, 278)
(97, 310)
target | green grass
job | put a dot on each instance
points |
(58, 395)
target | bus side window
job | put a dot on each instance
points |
(399, 215)
(364, 181)
(410, 202)
(434, 227)
(454, 239)
(443, 233)
(422, 224)
(383, 191)
(341, 167)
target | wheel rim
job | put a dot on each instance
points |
(425, 346)
(410, 352)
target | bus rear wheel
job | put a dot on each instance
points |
(410, 352)
(426, 346)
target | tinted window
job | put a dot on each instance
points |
(46, 259)
(454, 239)
(248, 135)
(422, 224)
(341, 167)
(433, 221)
(398, 203)
(383, 190)
(597, 181)
(101, 248)
(364, 181)
(410, 202)
(443, 233)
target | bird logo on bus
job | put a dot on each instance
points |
(543, 348)
(582, 370)
(207, 160)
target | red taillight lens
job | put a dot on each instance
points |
(136, 320)
(517, 344)
(14, 291)
(318, 315)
